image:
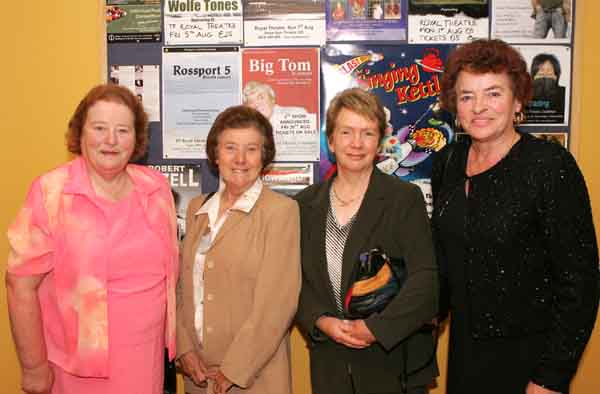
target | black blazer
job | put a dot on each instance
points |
(392, 216)
(531, 255)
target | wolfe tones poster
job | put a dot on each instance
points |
(203, 22)
(283, 84)
(407, 81)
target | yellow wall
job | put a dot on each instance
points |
(53, 55)
(50, 58)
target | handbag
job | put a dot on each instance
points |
(375, 282)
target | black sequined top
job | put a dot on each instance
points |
(530, 256)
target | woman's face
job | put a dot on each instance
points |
(485, 104)
(108, 137)
(239, 157)
(354, 141)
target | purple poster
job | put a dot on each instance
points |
(362, 20)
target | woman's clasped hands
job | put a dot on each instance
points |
(351, 333)
(192, 365)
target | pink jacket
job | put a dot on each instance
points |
(60, 232)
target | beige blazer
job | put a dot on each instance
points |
(251, 287)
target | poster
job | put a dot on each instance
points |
(143, 80)
(283, 84)
(185, 181)
(550, 69)
(289, 178)
(133, 21)
(407, 81)
(522, 22)
(284, 22)
(447, 21)
(198, 83)
(203, 22)
(362, 20)
(560, 138)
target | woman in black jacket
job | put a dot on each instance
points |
(359, 209)
(514, 236)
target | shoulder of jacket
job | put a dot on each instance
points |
(56, 177)
(196, 202)
(275, 201)
(395, 183)
(151, 173)
(545, 152)
(309, 192)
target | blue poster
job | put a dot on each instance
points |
(407, 81)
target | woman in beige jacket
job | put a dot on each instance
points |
(240, 276)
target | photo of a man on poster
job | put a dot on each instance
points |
(261, 97)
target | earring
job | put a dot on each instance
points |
(518, 118)
(457, 125)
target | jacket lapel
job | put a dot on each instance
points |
(317, 223)
(369, 216)
(234, 219)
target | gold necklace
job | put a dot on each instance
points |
(342, 202)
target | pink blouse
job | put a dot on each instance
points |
(61, 232)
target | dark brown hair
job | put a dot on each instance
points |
(486, 56)
(115, 94)
(240, 117)
(359, 101)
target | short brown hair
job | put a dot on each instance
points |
(116, 94)
(239, 117)
(356, 100)
(486, 56)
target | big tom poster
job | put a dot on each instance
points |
(407, 81)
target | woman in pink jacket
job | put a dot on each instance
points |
(93, 260)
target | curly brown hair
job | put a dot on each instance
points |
(240, 117)
(485, 56)
(115, 94)
(359, 101)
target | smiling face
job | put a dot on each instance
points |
(485, 105)
(354, 142)
(108, 138)
(239, 158)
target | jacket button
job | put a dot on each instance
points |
(210, 264)
(209, 329)
(209, 297)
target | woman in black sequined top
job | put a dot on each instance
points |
(514, 236)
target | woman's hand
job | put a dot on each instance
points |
(533, 388)
(192, 366)
(359, 330)
(222, 384)
(37, 380)
(341, 331)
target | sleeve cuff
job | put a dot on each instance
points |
(553, 377)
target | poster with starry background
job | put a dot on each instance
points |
(407, 81)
